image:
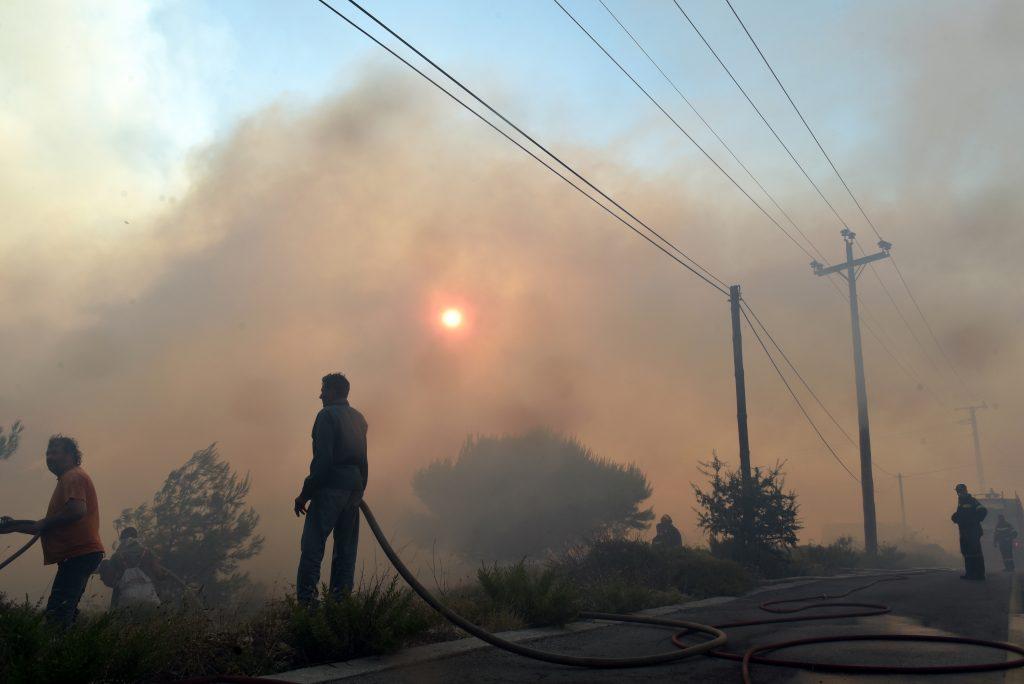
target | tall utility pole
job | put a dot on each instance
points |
(973, 422)
(903, 508)
(741, 413)
(852, 268)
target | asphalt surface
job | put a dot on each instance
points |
(934, 603)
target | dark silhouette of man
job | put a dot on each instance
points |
(337, 478)
(968, 516)
(1003, 540)
(70, 532)
(667, 535)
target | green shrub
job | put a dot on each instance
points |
(634, 563)
(540, 596)
(842, 556)
(617, 596)
(162, 644)
(378, 619)
(817, 559)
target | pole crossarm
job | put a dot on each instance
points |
(821, 270)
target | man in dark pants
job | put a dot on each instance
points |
(968, 517)
(333, 491)
(1003, 540)
(70, 532)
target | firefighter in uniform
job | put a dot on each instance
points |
(1003, 540)
(968, 517)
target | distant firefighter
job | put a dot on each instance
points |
(968, 517)
(1003, 540)
(667, 536)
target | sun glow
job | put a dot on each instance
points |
(451, 318)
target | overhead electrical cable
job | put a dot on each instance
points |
(811, 391)
(763, 118)
(860, 207)
(710, 128)
(778, 138)
(908, 372)
(941, 470)
(681, 129)
(885, 289)
(706, 276)
(928, 327)
(798, 375)
(785, 382)
(785, 147)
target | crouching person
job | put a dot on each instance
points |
(132, 571)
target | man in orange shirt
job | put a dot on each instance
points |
(70, 532)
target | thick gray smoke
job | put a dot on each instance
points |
(330, 237)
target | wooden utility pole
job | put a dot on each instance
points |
(903, 508)
(973, 422)
(850, 270)
(741, 414)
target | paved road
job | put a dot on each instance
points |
(936, 603)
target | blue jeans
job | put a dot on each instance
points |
(68, 587)
(330, 511)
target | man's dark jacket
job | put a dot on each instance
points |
(968, 516)
(339, 450)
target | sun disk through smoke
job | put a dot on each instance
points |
(451, 318)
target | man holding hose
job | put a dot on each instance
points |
(70, 532)
(331, 494)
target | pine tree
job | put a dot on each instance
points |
(199, 526)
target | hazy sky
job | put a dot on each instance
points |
(210, 204)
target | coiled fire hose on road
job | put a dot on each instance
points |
(708, 647)
(684, 650)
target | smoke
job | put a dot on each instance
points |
(329, 237)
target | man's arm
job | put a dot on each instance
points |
(323, 459)
(364, 465)
(72, 511)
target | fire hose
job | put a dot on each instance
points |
(752, 655)
(6, 525)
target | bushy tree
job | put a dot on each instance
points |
(199, 526)
(774, 521)
(504, 498)
(9, 442)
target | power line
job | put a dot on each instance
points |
(940, 470)
(807, 386)
(928, 326)
(785, 147)
(870, 323)
(710, 128)
(681, 129)
(778, 138)
(798, 375)
(795, 398)
(909, 373)
(763, 118)
(798, 113)
(721, 287)
(917, 381)
(899, 311)
(860, 207)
